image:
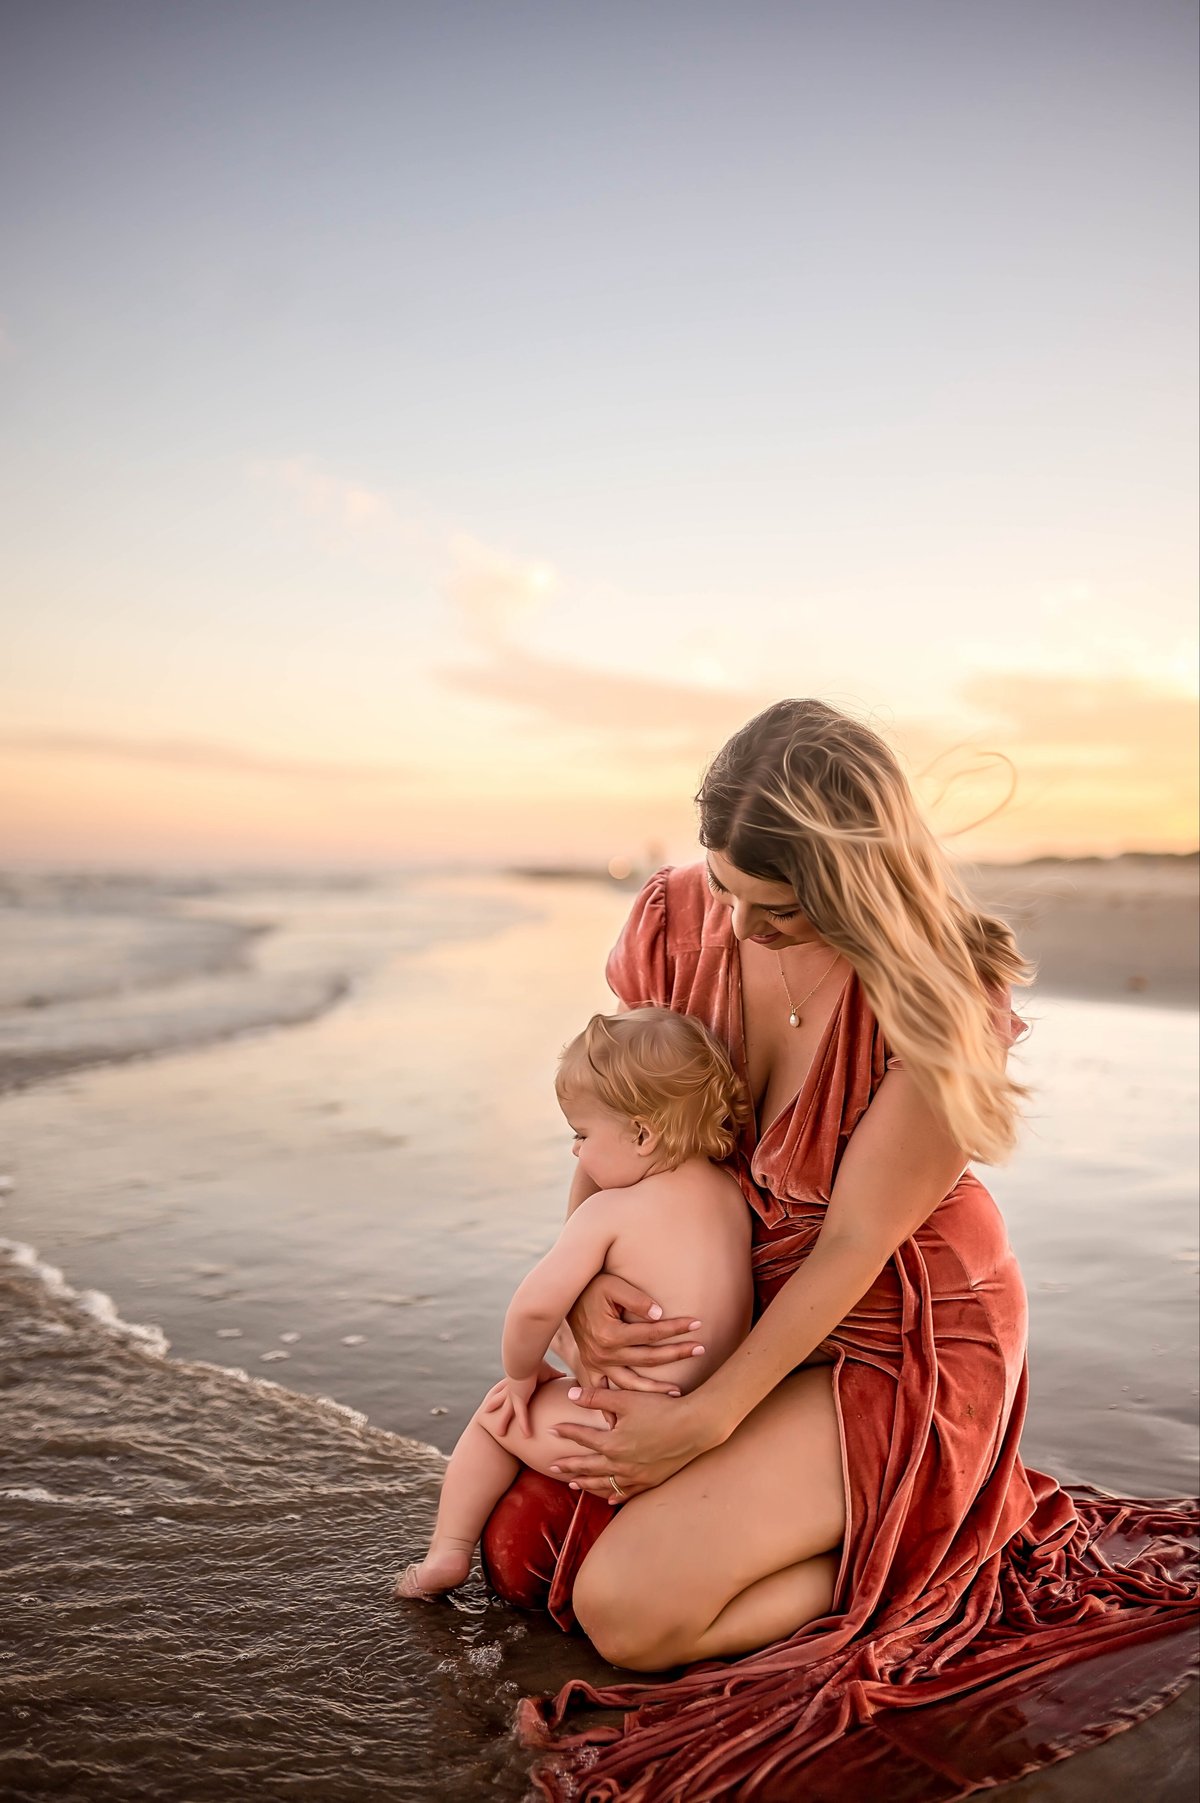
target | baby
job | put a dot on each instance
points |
(652, 1100)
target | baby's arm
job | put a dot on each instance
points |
(543, 1298)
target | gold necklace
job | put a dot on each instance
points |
(794, 1016)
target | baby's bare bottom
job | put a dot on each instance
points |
(482, 1466)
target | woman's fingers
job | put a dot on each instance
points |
(626, 1378)
(653, 1333)
(609, 1401)
(587, 1464)
(603, 1489)
(626, 1296)
(645, 1342)
(595, 1439)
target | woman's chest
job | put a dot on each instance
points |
(779, 1056)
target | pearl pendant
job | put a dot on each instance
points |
(793, 1019)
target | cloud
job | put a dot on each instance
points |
(1095, 761)
(322, 497)
(1123, 718)
(688, 717)
(1066, 761)
(492, 593)
(495, 594)
(197, 754)
(1063, 755)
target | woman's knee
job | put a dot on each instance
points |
(620, 1620)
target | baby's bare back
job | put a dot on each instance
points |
(684, 1236)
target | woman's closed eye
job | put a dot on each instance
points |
(773, 913)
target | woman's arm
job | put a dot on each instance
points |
(899, 1164)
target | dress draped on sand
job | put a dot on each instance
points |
(985, 1620)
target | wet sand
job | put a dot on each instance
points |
(1107, 929)
(345, 1203)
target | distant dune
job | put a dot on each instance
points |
(1113, 928)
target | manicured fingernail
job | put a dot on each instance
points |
(572, 1486)
(696, 1351)
(554, 1467)
(574, 1393)
(674, 1392)
(693, 1325)
(655, 1312)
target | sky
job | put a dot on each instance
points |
(428, 430)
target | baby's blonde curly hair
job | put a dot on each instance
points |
(665, 1069)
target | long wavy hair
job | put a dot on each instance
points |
(808, 796)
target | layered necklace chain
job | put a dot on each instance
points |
(794, 1006)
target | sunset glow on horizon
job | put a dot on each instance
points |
(429, 432)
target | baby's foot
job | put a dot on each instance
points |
(438, 1571)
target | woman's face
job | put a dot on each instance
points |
(764, 913)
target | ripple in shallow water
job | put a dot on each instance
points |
(196, 1587)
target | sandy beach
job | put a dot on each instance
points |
(1108, 929)
(303, 1130)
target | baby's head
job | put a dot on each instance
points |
(646, 1090)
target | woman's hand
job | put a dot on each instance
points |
(650, 1439)
(617, 1326)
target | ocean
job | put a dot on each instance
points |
(300, 1130)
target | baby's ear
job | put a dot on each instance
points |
(647, 1138)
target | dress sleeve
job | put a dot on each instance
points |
(636, 971)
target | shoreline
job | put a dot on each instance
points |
(195, 967)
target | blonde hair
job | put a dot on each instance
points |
(665, 1069)
(807, 796)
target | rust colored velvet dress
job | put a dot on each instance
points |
(985, 1620)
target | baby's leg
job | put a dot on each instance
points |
(479, 1473)
(481, 1468)
(548, 1405)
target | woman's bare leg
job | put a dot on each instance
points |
(771, 1609)
(735, 1550)
(482, 1466)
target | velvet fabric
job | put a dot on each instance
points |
(985, 1620)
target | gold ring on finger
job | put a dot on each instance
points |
(617, 1490)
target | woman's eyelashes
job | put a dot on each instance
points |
(772, 913)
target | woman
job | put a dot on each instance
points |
(841, 1505)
